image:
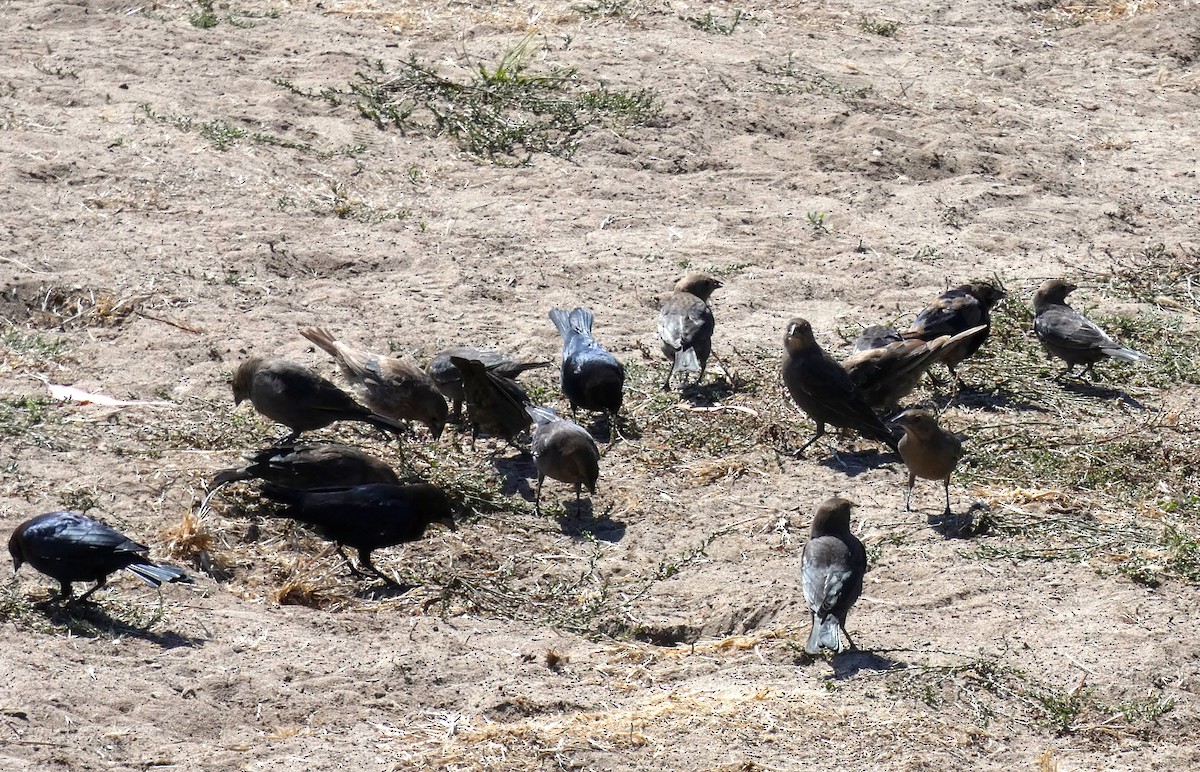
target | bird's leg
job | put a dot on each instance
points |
(946, 483)
(354, 570)
(1091, 376)
(578, 498)
(700, 377)
(537, 495)
(99, 584)
(288, 439)
(912, 480)
(364, 558)
(670, 371)
(845, 632)
(65, 592)
(820, 433)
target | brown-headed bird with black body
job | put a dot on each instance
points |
(562, 450)
(685, 325)
(956, 311)
(366, 517)
(495, 404)
(389, 386)
(1069, 335)
(928, 451)
(832, 569)
(298, 398)
(71, 547)
(823, 389)
(449, 379)
(309, 466)
(888, 374)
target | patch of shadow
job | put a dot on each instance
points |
(580, 522)
(515, 473)
(707, 395)
(1086, 389)
(89, 619)
(385, 590)
(666, 635)
(998, 399)
(517, 708)
(854, 464)
(626, 429)
(850, 663)
(973, 522)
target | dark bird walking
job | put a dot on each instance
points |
(592, 378)
(298, 398)
(449, 380)
(367, 517)
(823, 390)
(495, 404)
(685, 325)
(833, 565)
(885, 375)
(309, 466)
(1069, 335)
(562, 450)
(70, 547)
(956, 311)
(388, 386)
(928, 451)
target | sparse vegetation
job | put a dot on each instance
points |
(790, 78)
(713, 24)
(874, 25)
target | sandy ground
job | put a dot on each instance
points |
(819, 167)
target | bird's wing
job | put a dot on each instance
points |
(682, 320)
(1067, 328)
(825, 571)
(828, 384)
(314, 392)
(72, 536)
(950, 314)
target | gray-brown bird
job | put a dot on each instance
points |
(928, 451)
(449, 379)
(495, 404)
(310, 466)
(823, 390)
(1069, 335)
(955, 311)
(564, 451)
(832, 568)
(685, 325)
(389, 386)
(886, 375)
(875, 336)
(298, 398)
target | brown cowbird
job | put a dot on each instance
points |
(823, 390)
(832, 568)
(366, 517)
(310, 466)
(449, 379)
(1069, 335)
(298, 398)
(495, 404)
(70, 547)
(886, 375)
(685, 325)
(592, 378)
(955, 311)
(564, 451)
(928, 451)
(875, 336)
(390, 387)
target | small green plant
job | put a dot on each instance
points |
(877, 26)
(713, 25)
(608, 9)
(789, 78)
(928, 252)
(816, 221)
(205, 17)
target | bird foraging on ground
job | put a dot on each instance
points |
(956, 311)
(564, 451)
(885, 375)
(495, 404)
(449, 380)
(388, 386)
(1069, 335)
(928, 451)
(685, 325)
(823, 390)
(298, 398)
(309, 466)
(592, 378)
(366, 517)
(71, 547)
(833, 564)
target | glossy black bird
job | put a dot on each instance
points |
(449, 379)
(564, 451)
(887, 374)
(298, 398)
(928, 451)
(310, 466)
(70, 547)
(592, 378)
(366, 517)
(495, 404)
(1069, 335)
(823, 389)
(685, 325)
(955, 311)
(832, 569)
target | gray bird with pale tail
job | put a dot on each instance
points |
(685, 325)
(564, 451)
(1069, 335)
(833, 564)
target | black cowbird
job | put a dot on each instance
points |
(875, 336)
(495, 404)
(1069, 335)
(592, 378)
(823, 390)
(928, 451)
(366, 517)
(955, 311)
(685, 325)
(886, 375)
(310, 466)
(449, 379)
(298, 398)
(564, 451)
(832, 569)
(70, 547)
(390, 387)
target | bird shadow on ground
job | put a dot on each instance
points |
(854, 464)
(90, 619)
(707, 395)
(580, 522)
(515, 473)
(973, 522)
(850, 663)
(384, 590)
(992, 400)
(1096, 391)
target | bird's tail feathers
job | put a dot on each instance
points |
(323, 339)
(826, 633)
(562, 321)
(686, 361)
(541, 415)
(581, 320)
(282, 494)
(157, 575)
(1126, 354)
(386, 424)
(227, 476)
(514, 370)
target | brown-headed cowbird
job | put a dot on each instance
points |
(310, 466)
(390, 387)
(685, 325)
(298, 398)
(562, 450)
(886, 375)
(832, 569)
(1069, 335)
(70, 547)
(875, 336)
(956, 311)
(449, 379)
(928, 451)
(592, 378)
(823, 390)
(495, 404)
(366, 517)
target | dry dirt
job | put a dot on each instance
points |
(177, 195)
